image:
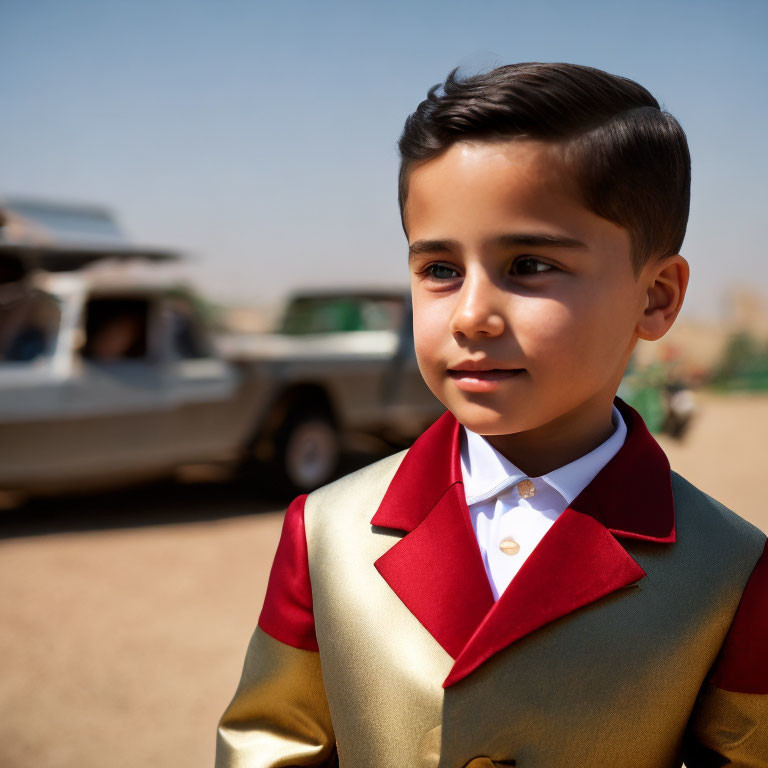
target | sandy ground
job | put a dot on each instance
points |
(125, 617)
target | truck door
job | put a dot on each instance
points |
(200, 387)
(114, 406)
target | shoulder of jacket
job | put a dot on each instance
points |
(362, 488)
(699, 510)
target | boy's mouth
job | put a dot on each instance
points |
(482, 380)
(484, 373)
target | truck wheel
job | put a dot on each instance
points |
(308, 450)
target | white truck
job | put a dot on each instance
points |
(106, 380)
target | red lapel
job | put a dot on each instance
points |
(438, 564)
(437, 571)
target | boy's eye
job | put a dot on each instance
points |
(529, 265)
(441, 272)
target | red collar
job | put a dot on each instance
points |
(631, 496)
(436, 568)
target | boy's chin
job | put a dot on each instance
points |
(486, 421)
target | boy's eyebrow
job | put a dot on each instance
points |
(540, 239)
(419, 247)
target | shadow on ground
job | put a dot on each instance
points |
(166, 502)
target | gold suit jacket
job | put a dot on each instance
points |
(634, 636)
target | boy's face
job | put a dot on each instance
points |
(525, 303)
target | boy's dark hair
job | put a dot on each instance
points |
(630, 158)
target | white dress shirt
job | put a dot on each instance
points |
(500, 514)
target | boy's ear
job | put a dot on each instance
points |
(665, 283)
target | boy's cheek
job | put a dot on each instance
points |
(428, 364)
(430, 334)
(431, 366)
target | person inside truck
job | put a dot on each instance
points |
(116, 331)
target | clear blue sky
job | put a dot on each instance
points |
(261, 137)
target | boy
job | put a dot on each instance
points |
(529, 584)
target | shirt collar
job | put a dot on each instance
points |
(486, 473)
(631, 495)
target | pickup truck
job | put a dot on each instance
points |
(107, 380)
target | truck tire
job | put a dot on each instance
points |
(307, 451)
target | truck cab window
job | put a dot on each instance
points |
(341, 314)
(28, 327)
(116, 329)
(186, 336)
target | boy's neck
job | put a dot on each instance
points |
(558, 442)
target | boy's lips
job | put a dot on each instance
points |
(473, 378)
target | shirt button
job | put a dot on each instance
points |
(526, 489)
(509, 546)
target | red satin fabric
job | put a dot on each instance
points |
(430, 467)
(743, 662)
(437, 571)
(579, 561)
(287, 613)
(632, 493)
(552, 583)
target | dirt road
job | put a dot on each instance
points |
(125, 617)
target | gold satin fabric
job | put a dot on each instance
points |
(279, 715)
(384, 668)
(731, 726)
(612, 685)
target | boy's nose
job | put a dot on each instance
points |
(476, 313)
